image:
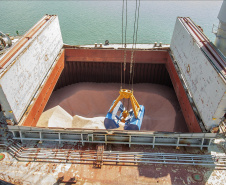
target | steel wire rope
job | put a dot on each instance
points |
(125, 47)
(124, 66)
(134, 32)
(136, 42)
(122, 37)
(132, 62)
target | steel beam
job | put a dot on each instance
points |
(109, 157)
(201, 140)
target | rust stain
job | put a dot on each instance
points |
(37, 107)
(111, 173)
(23, 41)
(28, 164)
(184, 102)
(46, 57)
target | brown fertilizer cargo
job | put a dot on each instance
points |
(86, 105)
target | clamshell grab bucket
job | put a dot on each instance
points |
(118, 116)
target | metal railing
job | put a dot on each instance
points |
(201, 140)
(111, 157)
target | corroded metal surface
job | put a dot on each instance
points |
(28, 66)
(6, 58)
(112, 55)
(143, 46)
(42, 96)
(37, 172)
(4, 132)
(200, 66)
(153, 139)
(100, 72)
(93, 65)
(183, 97)
(100, 157)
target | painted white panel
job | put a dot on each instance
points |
(205, 85)
(222, 13)
(28, 70)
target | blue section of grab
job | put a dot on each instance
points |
(112, 120)
(135, 123)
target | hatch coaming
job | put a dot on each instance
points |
(39, 56)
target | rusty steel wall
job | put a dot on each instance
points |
(205, 84)
(100, 72)
(104, 66)
(26, 69)
(190, 117)
(38, 104)
(115, 55)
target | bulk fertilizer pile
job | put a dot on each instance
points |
(84, 105)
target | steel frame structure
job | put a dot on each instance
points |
(109, 157)
(201, 140)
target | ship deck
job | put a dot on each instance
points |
(36, 162)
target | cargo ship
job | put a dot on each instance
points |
(55, 97)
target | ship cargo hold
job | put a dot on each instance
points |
(55, 97)
(182, 86)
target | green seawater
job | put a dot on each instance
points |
(89, 22)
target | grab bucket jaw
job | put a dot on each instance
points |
(113, 119)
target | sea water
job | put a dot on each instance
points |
(89, 22)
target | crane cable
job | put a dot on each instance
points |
(138, 14)
(132, 63)
(122, 38)
(136, 25)
(125, 47)
(124, 63)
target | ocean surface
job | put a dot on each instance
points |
(89, 22)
